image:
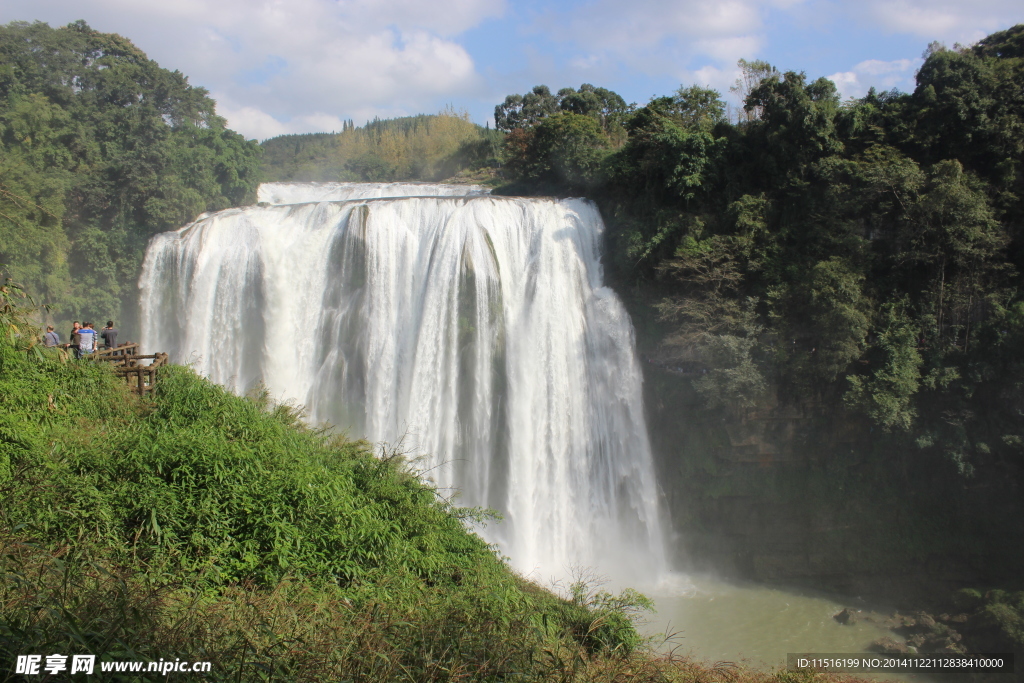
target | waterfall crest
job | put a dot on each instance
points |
(475, 328)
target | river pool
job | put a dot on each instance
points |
(717, 621)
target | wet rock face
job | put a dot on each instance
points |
(923, 633)
(889, 646)
(847, 617)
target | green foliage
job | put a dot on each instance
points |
(693, 107)
(886, 395)
(752, 74)
(967, 599)
(734, 380)
(419, 148)
(601, 621)
(996, 618)
(663, 159)
(607, 108)
(207, 483)
(769, 242)
(834, 317)
(797, 122)
(100, 149)
(566, 150)
(525, 111)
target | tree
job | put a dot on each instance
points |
(797, 120)
(886, 394)
(602, 105)
(663, 160)
(734, 381)
(955, 237)
(692, 108)
(525, 111)
(970, 107)
(101, 149)
(566, 151)
(607, 108)
(838, 313)
(751, 76)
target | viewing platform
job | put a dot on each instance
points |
(130, 364)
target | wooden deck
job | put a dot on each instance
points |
(130, 364)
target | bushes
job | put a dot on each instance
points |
(203, 481)
(295, 632)
(292, 632)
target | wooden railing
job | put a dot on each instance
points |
(127, 362)
(116, 354)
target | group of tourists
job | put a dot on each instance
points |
(83, 338)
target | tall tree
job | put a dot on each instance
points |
(117, 148)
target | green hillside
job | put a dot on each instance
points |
(204, 526)
(100, 149)
(418, 148)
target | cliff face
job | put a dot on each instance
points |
(786, 494)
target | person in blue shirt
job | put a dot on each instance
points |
(87, 339)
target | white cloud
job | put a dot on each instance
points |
(303, 65)
(604, 25)
(729, 49)
(663, 37)
(714, 77)
(874, 73)
(448, 19)
(252, 122)
(586, 62)
(946, 20)
(261, 125)
(272, 62)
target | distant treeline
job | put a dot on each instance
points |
(424, 147)
(100, 149)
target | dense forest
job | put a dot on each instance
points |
(100, 149)
(863, 255)
(424, 148)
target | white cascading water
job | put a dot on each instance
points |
(474, 329)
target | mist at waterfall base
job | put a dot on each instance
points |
(472, 330)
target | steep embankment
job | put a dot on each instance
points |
(203, 526)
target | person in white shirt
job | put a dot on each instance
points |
(87, 339)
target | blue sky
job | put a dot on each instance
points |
(295, 66)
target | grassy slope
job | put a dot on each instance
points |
(203, 526)
(131, 523)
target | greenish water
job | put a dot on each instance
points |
(715, 621)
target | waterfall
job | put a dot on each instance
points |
(474, 329)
